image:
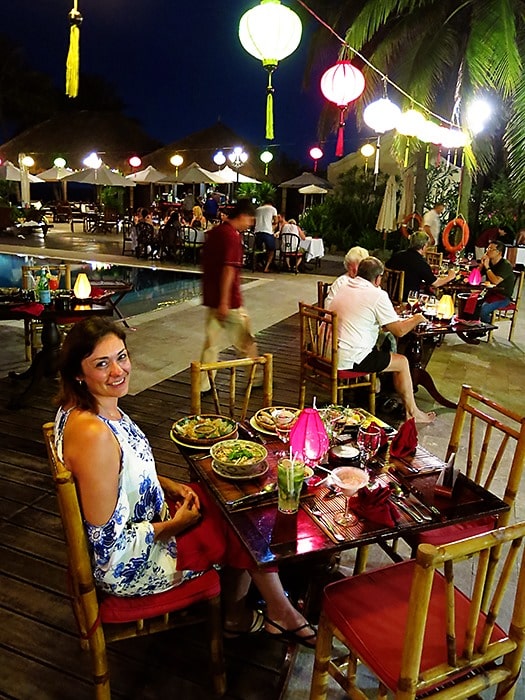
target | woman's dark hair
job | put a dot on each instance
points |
(80, 342)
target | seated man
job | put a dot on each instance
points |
(417, 271)
(351, 262)
(363, 308)
(498, 271)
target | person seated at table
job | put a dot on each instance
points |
(498, 272)
(363, 309)
(418, 272)
(291, 227)
(351, 263)
(198, 219)
(148, 533)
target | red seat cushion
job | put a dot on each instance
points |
(371, 610)
(128, 609)
(460, 531)
(348, 374)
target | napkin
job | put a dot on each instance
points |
(31, 309)
(405, 442)
(471, 303)
(373, 504)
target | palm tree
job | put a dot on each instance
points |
(443, 52)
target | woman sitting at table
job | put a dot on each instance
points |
(147, 532)
(198, 219)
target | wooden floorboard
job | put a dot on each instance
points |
(40, 655)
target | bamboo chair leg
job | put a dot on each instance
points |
(323, 652)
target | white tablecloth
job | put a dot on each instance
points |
(313, 247)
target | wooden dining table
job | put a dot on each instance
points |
(311, 535)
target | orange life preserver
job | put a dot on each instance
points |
(404, 228)
(465, 232)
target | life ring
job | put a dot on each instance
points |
(404, 227)
(465, 232)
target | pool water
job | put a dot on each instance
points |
(153, 288)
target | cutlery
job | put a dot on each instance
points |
(256, 437)
(406, 508)
(414, 495)
(267, 489)
(198, 457)
(326, 522)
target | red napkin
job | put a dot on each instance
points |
(373, 504)
(405, 442)
(471, 303)
(33, 308)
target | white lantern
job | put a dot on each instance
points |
(219, 158)
(266, 157)
(270, 32)
(59, 162)
(367, 150)
(381, 115)
(409, 122)
(429, 132)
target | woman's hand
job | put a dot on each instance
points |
(177, 492)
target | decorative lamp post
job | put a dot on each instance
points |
(270, 32)
(59, 162)
(308, 438)
(367, 151)
(237, 158)
(342, 84)
(25, 162)
(176, 160)
(316, 154)
(266, 157)
(381, 116)
(219, 159)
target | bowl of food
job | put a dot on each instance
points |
(270, 419)
(239, 458)
(203, 430)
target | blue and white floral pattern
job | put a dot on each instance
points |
(127, 560)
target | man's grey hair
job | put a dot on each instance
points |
(419, 240)
(355, 255)
(370, 268)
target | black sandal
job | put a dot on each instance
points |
(256, 626)
(307, 640)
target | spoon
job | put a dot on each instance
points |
(267, 488)
(326, 522)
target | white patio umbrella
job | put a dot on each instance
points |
(229, 176)
(406, 206)
(99, 176)
(311, 190)
(10, 172)
(387, 219)
(306, 179)
(194, 174)
(149, 175)
(57, 174)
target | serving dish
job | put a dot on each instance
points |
(239, 458)
(266, 418)
(203, 430)
(227, 473)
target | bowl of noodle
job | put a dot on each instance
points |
(239, 458)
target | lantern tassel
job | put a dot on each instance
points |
(407, 151)
(73, 55)
(269, 104)
(339, 147)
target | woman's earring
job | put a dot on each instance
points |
(80, 382)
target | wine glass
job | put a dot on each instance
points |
(470, 257)
(283, 424)
(334, 420)
(368, 442)
(348, 480)
(431, 308)
(412, 298)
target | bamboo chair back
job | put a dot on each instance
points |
(322, 292)
(393, 282)
(248, 367)
(93, 632)
(448, 647)
(319, 357)
(434, 259)
(510, 312)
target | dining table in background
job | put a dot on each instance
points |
(313, 247)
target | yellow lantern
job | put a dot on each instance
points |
(82, 288)
(270, 32)
(445, 308)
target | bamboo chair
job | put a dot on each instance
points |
(105, 618)
(510, 312)
(319, 354)
(435, 260)
(393, 282)
(32, 326)
(419, 633)
(322, 292)
(217, 370)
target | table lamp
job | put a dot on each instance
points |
(445, 307)
(82, 289)
(308, 437)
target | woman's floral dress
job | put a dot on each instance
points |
(127, 560)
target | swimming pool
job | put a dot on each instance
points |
(153, 287)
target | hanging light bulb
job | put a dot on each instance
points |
(266, 157)
(315, 154)
(342, 84)
(381, 115)
(367, 150)
(270, 32)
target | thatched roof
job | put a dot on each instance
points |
(73, 135)
(201, 146)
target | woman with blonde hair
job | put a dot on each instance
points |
(198, 220)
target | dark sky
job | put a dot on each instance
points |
(178, 66)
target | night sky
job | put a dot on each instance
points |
(178, 66)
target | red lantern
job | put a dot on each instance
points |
(308, 438)
(342, 84)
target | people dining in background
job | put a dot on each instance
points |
(432, 223)
(418, 272)
(351, 263)
(198, 219)
(363, 309)
(266, 221)
(149, 533)
(494, 233)
(498, 272)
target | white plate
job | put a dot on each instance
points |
(200, 448)
(262, 468)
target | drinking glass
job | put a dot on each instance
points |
(431, 308)
(368, 442)
(348, 480)
(290, 477)
(412, 298)
(283, 423)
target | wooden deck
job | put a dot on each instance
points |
(40, 655)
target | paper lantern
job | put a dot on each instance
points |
(266, 157)
(341, 84)
(381, 115)
(82, 288)
(445, 307)
(270, 32)
(308, 438)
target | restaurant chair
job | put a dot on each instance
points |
(322, 292)
(290, 253)
(146, 240)
(510, 312)
(103, 618)
(129, 236)
(33, 326)
(319, 354)
(250, 367)
(170, 242)
(191, 244)
(251, 252)
(435, 260)
(393, 282)
(418, 626)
